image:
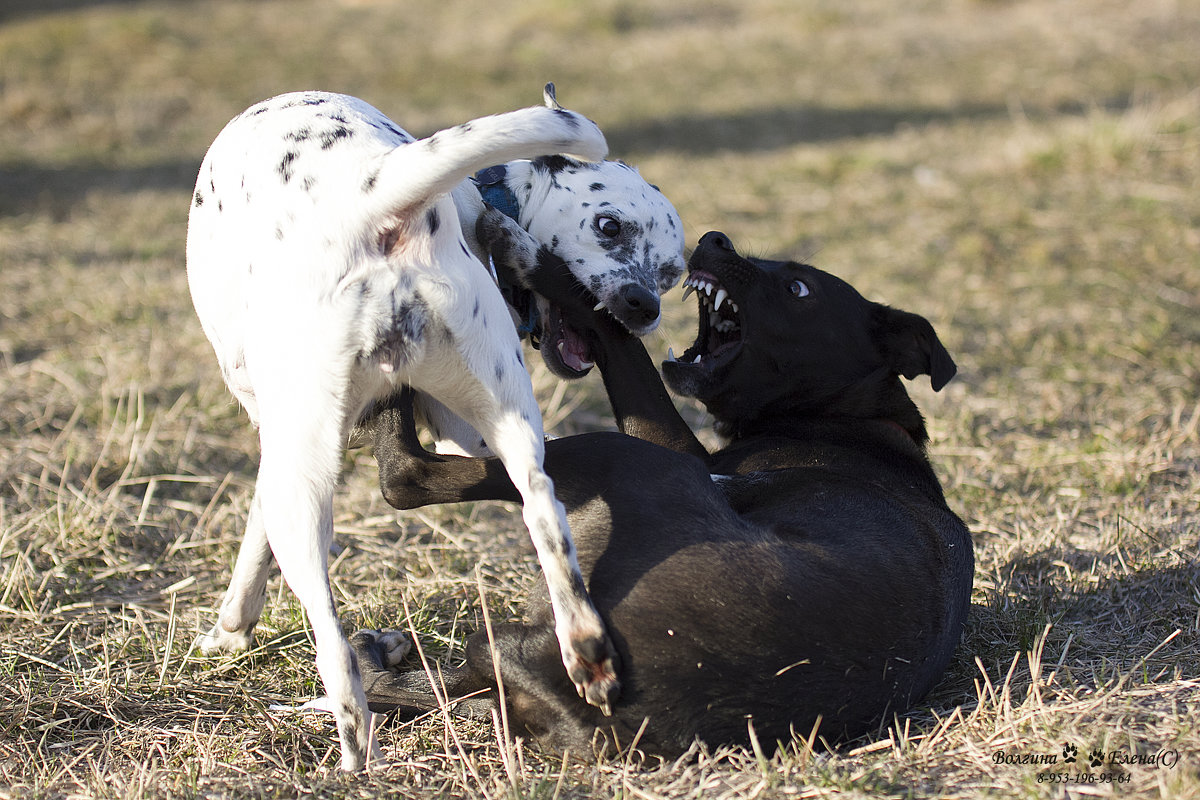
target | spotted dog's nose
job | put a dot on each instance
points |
(635, 306)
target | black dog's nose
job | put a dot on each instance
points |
(635, 306)
(718, 240)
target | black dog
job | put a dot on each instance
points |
(809, 574)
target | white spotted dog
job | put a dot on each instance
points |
(329, 270)
(620, 236)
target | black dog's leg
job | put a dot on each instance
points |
(411, 692)
(410, 476)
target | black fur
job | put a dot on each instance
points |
(819, 581)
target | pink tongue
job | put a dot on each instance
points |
(574, 351)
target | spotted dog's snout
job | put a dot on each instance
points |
(636, 307)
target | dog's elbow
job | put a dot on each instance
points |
(403, 494)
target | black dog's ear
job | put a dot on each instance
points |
(911, 347)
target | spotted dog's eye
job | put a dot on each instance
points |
(798, 289)
(608, 226)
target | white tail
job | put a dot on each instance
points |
(417, 173)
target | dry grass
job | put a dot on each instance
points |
(1025, 174)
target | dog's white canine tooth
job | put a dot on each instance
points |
(687, 290)
(721, 295)
(696, 360)
(598, 306)
(670, 354)
(733, 306)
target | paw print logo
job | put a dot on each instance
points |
(1096, 757)
(1070, 752)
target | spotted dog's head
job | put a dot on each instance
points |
(779, 338)
(619, 235)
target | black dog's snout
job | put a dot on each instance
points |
(635, 305)
(718, 240)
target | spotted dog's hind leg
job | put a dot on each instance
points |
(304, 423)
(247, 592)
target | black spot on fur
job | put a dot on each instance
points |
(285, 168)
(520, 358)
(279, 233)
(198, 199)
(309, 182)
(433, 221)
(499, 372)
(369, 183)
(597, 187)
(330, 138)
(568, 118)
(475, 309)
(220, 206)
(301, 135)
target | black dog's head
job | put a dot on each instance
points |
(778, 338)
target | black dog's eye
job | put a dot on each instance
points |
(798, 289)
(608, 226)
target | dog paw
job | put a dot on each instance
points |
(218, 640)
(512, 249)
(592, 665)
(386, 648)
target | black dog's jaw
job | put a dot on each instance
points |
(790, 341)
(808, 574)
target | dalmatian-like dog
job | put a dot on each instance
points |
(329, 267)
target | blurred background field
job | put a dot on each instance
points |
(1024, 173)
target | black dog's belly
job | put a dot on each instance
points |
(779, 633)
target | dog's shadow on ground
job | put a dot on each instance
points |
(1112, 632)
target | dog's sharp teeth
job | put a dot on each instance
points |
(708, 289)
(687, 290)
(598, 306)
(721, 295)
(696, 360)
(733, 306)
(586, 365)
(671, 354)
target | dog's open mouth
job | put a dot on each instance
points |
(720, 334)
(563, 348)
